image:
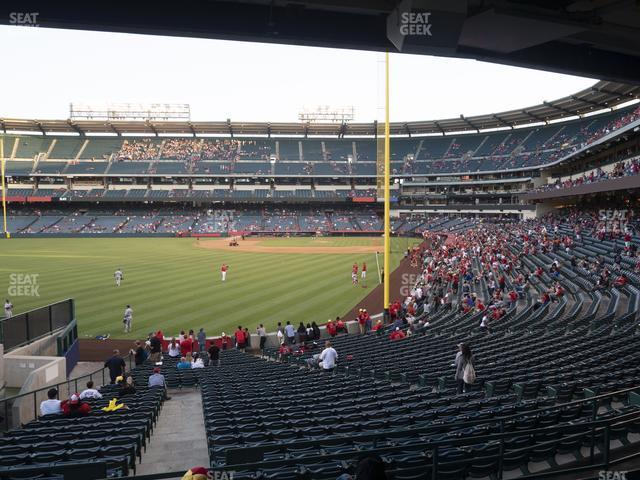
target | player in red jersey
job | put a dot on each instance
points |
(363, 275)
(354, 274)
(223, 271)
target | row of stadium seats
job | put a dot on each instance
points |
(526, 147)
(202, 221)
(184, 193)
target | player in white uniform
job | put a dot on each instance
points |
(118, 276)
(128, 318)
(8, 309)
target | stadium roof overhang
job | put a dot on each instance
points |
(595, 38)
(601, 96)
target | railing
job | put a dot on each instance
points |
(27, 327)
(65, 390)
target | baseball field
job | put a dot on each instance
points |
(175, 283)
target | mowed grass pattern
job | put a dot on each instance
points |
(173, 285)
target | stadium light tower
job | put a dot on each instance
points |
(327, 114)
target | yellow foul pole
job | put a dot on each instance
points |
(4, 193)
(387, 165)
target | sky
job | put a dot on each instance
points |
(47, 69)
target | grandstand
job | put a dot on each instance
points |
(508, 348)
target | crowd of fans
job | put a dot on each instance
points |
(625, 168)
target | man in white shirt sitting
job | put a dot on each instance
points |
(90, 392)
(328, 357)
(51, 406)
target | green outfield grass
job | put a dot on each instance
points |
(171, 284)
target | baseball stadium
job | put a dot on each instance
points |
(326, 298)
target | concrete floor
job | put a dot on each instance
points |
(179, 440)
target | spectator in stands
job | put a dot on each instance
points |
(116, 366)
(197, 361)
(290, 333)
(202, 340)
(328, 357)
(302, 333)
(138, 353)
(174, 348)
(284, 351)
(186, 345)
(361, 320)
(310, 333)
(51, 406)
(155, 348)
(224, 341)
(316, 331)
(341, 327)
(331, 328)
(621, 281)
(183, 364)
(214, 355)
(90, 392)
(197, 473)
(378, 327)
(262, 333)
(127, 387)
(371, 468)
(74, 407)
(397, 334)
(241, 341)
(463, 357)
(484, 323)
(247, 338)
(156, 379)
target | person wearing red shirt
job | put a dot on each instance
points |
(74, 407)
(513, 296)
(331, 328)
(378, 327)
(223, 271)
(186, 346)
(621, 281)
(284, 351)
(363, 275)
(224, 341)
(397, 334)
(340, 326)
(241, 341)
(361, 320)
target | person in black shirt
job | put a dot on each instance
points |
(115, 365)
(214, 355)
(127, 387)
(138, 353)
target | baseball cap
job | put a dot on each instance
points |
(74, 399)
(156, 370)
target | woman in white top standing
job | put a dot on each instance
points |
(174, 348)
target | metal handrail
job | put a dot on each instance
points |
(57, 386)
